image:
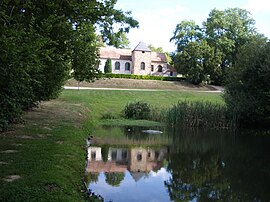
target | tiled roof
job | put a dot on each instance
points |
(142, 47)
(114, 53)
(126, 54)
(158, 57)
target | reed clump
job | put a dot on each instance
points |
(200, 114)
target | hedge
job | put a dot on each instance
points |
(143, 77)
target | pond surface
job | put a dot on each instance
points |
(125, 164)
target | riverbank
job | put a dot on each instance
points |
(43, 158)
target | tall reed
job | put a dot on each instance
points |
(200, 114)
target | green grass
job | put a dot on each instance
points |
(50, 146)
(100, 101)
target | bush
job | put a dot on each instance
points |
(108, 66)
(137, 110)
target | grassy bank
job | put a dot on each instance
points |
(43, 159)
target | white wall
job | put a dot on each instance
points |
(122, 66)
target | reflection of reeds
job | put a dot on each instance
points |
(199, 114)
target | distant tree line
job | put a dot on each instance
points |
(41, 41)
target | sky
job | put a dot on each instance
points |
(158, 18)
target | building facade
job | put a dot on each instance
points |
(140, 61)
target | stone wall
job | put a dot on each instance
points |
(137, 58)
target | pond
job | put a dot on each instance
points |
(125, 164)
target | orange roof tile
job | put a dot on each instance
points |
(114, 53)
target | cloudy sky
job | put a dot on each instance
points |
(158, 18)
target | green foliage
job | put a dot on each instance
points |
(108, 115)
(144, 77)
(123, 41)
(42, 41)
(247, 91)
(203, 54)
(108, 66)
(199, 114)
(114, 179)
(137, 110)
(85, 53)
(154, 49)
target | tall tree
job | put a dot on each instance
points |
(218, 42)
(194, 58)
(227, 31)
(40, 39)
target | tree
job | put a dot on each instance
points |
(226, 31)
(209, 51)
(114, 179)
(41, 40)
(123, 41)
(108, 66)
(247, 91)
(194, 58)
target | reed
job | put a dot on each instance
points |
(200, 114)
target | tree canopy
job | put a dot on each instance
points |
(41, 41)
(247, 91)
(204, 53)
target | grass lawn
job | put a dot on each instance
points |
(43, 159)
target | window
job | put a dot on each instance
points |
(127, 66)
(139, 157)
(93, 155)
(117, 66)
(143, 51)
(159, 68)
(142, 66)
(152, 68)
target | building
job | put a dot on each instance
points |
(140, 61)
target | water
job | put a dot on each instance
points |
(180, 165)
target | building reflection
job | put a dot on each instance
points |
(138, 161)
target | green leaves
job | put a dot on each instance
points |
(247, 87)
(42, 41)
(205, 53)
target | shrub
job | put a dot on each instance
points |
(143, 77)
(108, 66)
(137, 110)
(200, 114)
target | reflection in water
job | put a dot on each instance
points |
(195, 166)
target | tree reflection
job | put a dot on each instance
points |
(114, 179)
(91, 177)
(219, 170)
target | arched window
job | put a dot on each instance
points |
(142, 66)
(139, 157)
(117, 66)
(159, 68)
(127, 66)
